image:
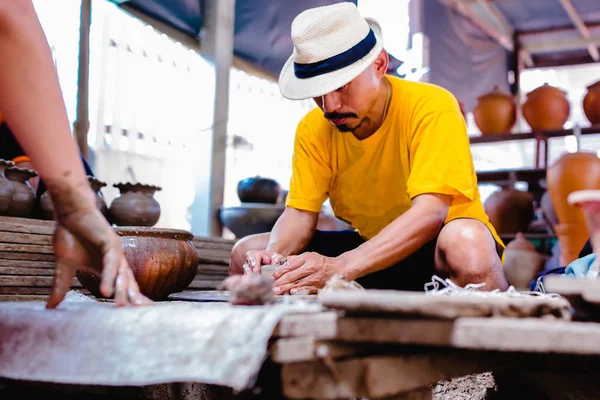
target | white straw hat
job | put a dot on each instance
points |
(332, 46)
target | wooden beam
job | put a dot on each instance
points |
(583, 30)
(81, 125)
(464, 9)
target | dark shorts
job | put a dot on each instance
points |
(409, 274)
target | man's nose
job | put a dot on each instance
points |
(331, 102)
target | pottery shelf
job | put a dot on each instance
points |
(27, 260)
(541, 138)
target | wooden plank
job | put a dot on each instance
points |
(450, 307)
(383, 376)
(27, 221)
(26, 271)
(307, 348)
(20, 290)
(31, 281)
(24, 264)
(25, 248)
(8, 255)
(22, 228)
(22, 297)
(25, 238)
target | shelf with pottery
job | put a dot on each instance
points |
(546, 110)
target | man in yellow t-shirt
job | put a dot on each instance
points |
(394, 159)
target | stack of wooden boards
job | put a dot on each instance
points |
(27, 260)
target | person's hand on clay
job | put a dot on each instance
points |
(83, 239)
(307, 273)
(255, 259)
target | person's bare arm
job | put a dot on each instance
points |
(292, 231)
(32, 104)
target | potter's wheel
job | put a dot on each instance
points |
(222, 296)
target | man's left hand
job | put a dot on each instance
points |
(306, 273)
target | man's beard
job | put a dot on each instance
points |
(342, 127)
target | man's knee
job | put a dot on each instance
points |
(243, 246)
(467, 251)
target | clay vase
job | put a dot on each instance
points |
(258, 190)
(570, 173)
(47, 208)
(163, 261)
(23, 200)
(522, 262)
(135, 206)
(591, 103)
(495, 113)
(546, 108)
(6, 187)
(510, 210)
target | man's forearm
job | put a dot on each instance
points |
(292, 232)
(398, 240)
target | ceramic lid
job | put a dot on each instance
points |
(520, 243)
(22, 171)
(546, 88)
(495, 94)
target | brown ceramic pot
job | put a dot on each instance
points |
(47, 209)
(23, 200)
(510, 210)
(591, 103)
(135, 206)
(163, 261)
(546, 108)
(258, 190)
(570, 173)
(522, 262)
(495, 113)
(6, 187)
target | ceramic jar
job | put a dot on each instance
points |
(495, 113)
(163, 261)
(570, 173)
(546, 108)
(135, 206)
(47, 209)
(510, 211)
(591, 103)
(258, 190)
(23, 200)
(522, 262)
(6, 187)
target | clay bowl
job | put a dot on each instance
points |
(250, 218)
(164, 261)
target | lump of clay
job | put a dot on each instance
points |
(249, 289)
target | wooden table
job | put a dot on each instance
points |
(351, 353)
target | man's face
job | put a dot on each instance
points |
(348, 106)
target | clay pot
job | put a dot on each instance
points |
(6, 187)
(570, 173)
(250, 218)
(510, 210)
(163, 261)
(258, 190)
(522, 262)
(495, 113)
(23, 200)
(47, 208)
(589, 202)
(546, 108)
(135, 206)
(591, 103)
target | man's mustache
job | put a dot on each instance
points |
(331, 116)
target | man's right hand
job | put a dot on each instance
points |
(255, 259)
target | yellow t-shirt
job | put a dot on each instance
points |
(421, 147)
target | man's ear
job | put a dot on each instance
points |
(381, 64)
